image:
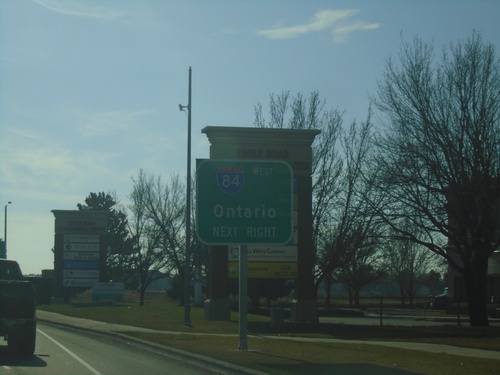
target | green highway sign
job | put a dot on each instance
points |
(244, 202)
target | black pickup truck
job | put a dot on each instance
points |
(17, 309)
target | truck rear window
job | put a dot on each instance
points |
(10, 271)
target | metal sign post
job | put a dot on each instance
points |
(243, 298)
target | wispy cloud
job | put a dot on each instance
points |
(40, 162)
(78, 8)
(106, 123)
(40, 169)
(338, 21)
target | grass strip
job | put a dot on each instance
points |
(289, 357)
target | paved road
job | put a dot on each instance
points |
(65, 351)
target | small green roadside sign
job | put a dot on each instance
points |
(3, 250)
(244, 202)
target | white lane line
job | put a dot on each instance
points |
(89, 367)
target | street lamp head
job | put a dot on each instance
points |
(181, 107)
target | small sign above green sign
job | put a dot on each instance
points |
(244, 202)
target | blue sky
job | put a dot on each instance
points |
(89, 90)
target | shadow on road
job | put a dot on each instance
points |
(9, 359)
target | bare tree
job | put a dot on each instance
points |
(301, 113)
(157, 213)
(407, 263)
(361, 267)
(440, 156)
(349, 240)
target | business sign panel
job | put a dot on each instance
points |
(70, 283)
(107, 292)
(81, 259)
(79, 274)
(262, 270)
(258, 253)
(270, 262)
(244, 202)
(81, 256)
(91, 247)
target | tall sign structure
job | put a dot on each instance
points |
(244, 203)
(268, 145)
(79, 250)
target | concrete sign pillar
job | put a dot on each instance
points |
(79, 251)
(294, 147)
